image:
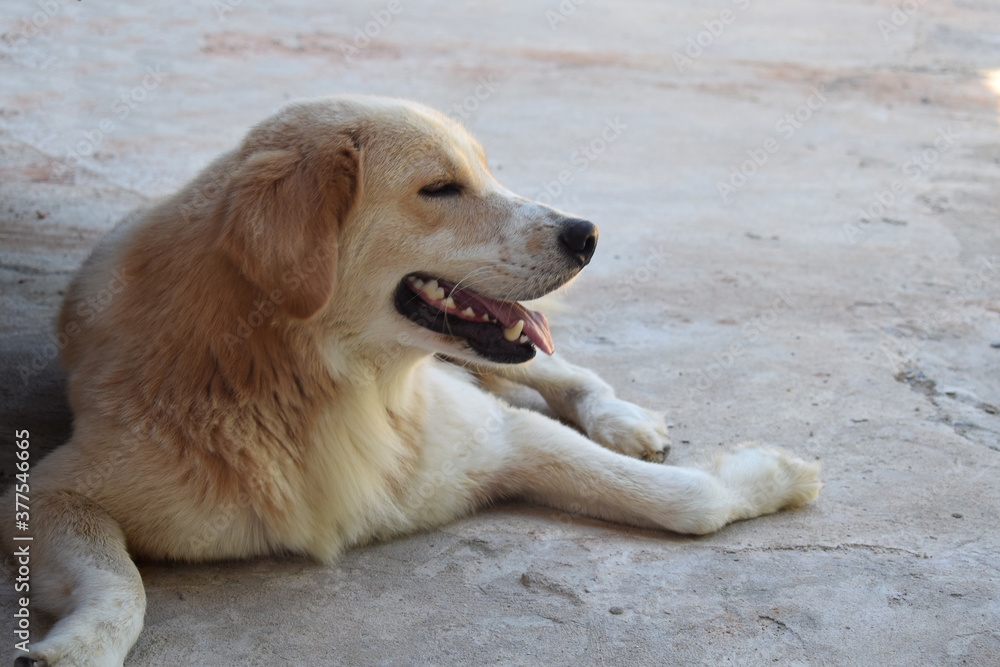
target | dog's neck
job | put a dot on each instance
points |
(391, 372)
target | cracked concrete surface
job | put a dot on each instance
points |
(799, 244)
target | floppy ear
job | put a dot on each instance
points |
(283, 214)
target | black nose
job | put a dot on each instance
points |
(579, 237)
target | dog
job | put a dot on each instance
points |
(296, 359)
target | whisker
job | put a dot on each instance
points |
(467, 276)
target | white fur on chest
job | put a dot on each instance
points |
(364, 478)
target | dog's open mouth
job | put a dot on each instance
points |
(501, 331)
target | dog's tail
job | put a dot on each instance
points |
(73, 563)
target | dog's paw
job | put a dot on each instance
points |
(74, 653)
(33, 659)
(626, 428)
(765, 479)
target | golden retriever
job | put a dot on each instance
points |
(268, 377)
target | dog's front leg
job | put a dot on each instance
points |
(549, 463)
(580, 397)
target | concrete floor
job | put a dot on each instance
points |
(799, 244)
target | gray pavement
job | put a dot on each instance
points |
(800, 243)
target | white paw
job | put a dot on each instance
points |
(765, 479)
(63, 649)
(47, 657)
(626, 428)
(44, 659)
(34, 659)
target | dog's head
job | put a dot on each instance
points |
(380, 221)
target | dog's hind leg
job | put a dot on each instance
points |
(80, 570)
(582, 398)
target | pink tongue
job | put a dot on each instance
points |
(508, 313)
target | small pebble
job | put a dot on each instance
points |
(995, 343)
(957, 515)
(617, 610)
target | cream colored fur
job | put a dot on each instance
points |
(253, 390)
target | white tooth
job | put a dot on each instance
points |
(514, 332)
(417, 282)
(449, 303)
(468, 312)
(523, 339)
(486, 317)
(432, 290)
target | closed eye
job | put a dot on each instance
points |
(441, 190)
